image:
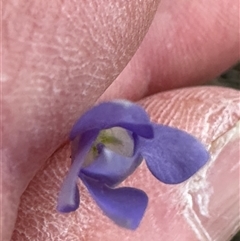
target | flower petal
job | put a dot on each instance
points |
(117, 113)
(125, 205)
(173, 155)
(112, 168)
(68, 199)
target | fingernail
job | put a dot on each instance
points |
(211, 198)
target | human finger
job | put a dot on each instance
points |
(203, 208)
(59, 57)
(187, 44)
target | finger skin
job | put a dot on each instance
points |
(187, 44)
(58, 58)
(54, 68)
(203, 208)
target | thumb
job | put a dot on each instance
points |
(203, 208)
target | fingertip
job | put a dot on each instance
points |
(194, 210)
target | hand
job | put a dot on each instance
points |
(59, 59)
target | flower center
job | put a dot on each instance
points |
(115, 139)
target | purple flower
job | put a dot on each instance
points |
(109, 143)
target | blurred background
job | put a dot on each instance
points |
(230, 78)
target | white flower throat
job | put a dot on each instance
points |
(115, 139)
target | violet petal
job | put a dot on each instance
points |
(68, 199)
(173, 155)
(112, 168)
(125, 205)
(120, 113)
